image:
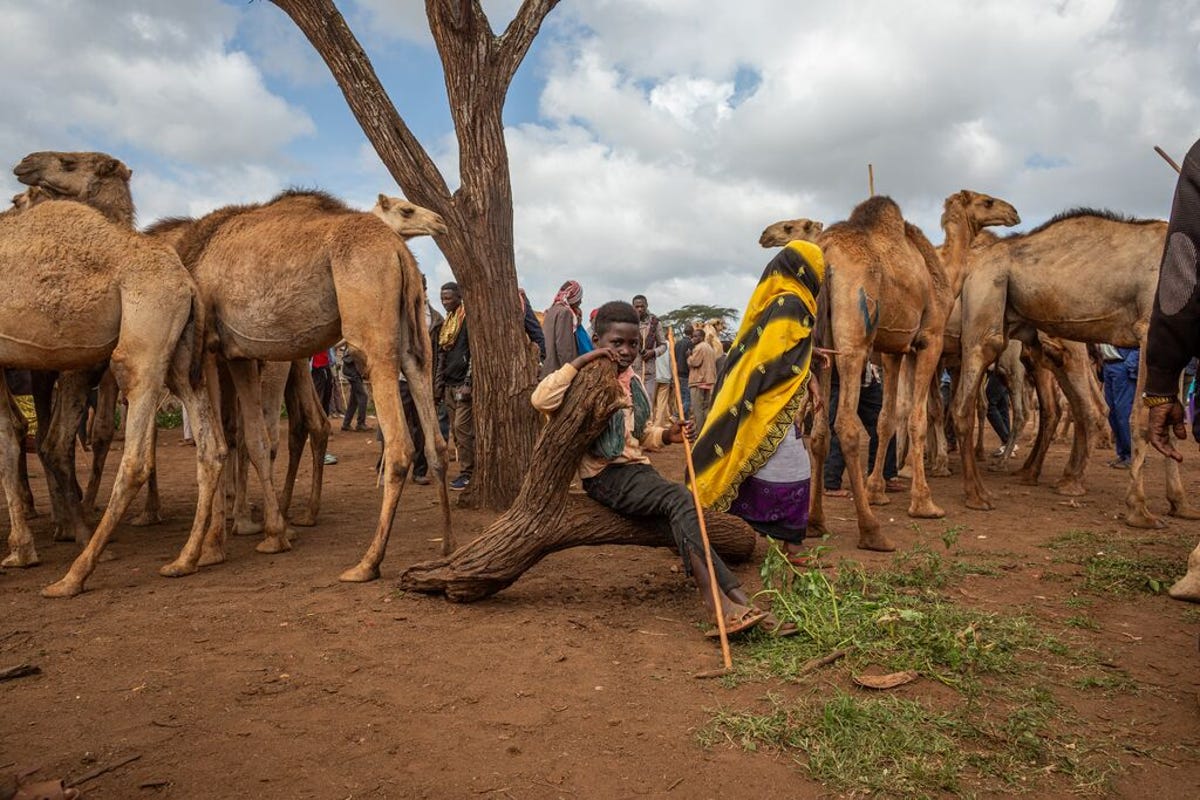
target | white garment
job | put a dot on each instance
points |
(789, 464)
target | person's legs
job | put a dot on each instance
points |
(637, 490)
(870, 403)
(997, 409)
(1118, 393)
(351, 406)
(322, 381)
(662, 404)
(463, 422)
(420, 463)
(949, 423)
(698, 410)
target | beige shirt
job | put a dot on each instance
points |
(702, 366)
(548, 397)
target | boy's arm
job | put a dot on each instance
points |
(696, 356)
(548, 395)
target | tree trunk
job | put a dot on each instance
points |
(479, 246)
(545, 519)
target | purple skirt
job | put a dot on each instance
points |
(779, 510)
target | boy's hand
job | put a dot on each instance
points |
(826, 355)
(814, 391)
(594, 355)
(676, 432)
(1166, 419)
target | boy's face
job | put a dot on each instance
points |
(451, 300)
(623, 338)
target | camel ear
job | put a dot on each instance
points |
(114, 167)
(385, 202)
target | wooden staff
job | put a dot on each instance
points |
(691, 471)
(1167, 158)
(871, 178)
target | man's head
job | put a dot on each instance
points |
(641, 306)
(697, 335)
(617, 328)
(687, 330)
(451, 297)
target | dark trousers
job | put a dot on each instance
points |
(637, 490)
(420, 463)
(1118, 393)
(870, 403)
(357, 402)
(323, 381)
(997, 407)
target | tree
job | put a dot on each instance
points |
(696, 311)
(478, 67)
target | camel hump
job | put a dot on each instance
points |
(878, 214)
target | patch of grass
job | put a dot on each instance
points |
(884, 745)
(1073, 540)
(1191, 615)
(169, 418)
(1114, 573)
(1110, 682)
(1079, 602)
(1082, 621)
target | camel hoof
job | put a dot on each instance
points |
(940, 472)
(979, 504)
(1184, 512)
(1187, 588)
(247, 527)
(61, 535)
(875, 541)
(878, 498)
(22, 557)
(208, 557)
(925, 509)
(63, 588)
(274, 544)
(176, 569)
(1143, 519)
(1070, 489)
(145, 519)
(1025, 478)
(305, 519)
(361, 573)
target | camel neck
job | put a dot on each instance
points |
(115, 203)
(959, 233)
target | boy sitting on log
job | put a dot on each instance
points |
(616, 473)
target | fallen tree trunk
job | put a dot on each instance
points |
(545, 519)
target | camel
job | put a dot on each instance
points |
(1086, 276)
(287, 278)
(890, 292)
(81, 290)
(289, 382)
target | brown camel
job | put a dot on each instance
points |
(81, 290)
(288, 278)
(1087, 276)
(888, 291)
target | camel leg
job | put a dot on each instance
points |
(939, 466)
(1072, 377)
(1048, 417)
(850, 432)
(1188, 587)
(297, 436)
(152, 512)
(17, 418)
(143, 380)
(248, 384)
(213, 549)
(21, 550)
(921, 503)
(43, 405)
(885, 426)
(316, 428)
(200, 549)
(818, 451)
(397, 455)
(975, 359)
(243, 519)
(103, 427)
(57, 450)
(421, 389)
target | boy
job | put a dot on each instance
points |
(617, 474)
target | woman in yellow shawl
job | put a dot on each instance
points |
(750, 460)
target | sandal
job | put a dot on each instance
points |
(838, 493)
(895, 485)
(776, 627)
(804, 561)
(741, 622)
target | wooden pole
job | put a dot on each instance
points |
(1167, 158)
(871, 179)
(691, 471)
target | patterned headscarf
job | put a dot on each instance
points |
(571, 294)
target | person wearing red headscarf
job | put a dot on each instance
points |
(560, 323)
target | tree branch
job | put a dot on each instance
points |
(409, 163)
(514, 43)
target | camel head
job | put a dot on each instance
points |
(30, 198)
(408, 219)
(982, 210)
(789, 230)
(97, 179)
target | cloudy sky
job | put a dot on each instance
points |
(650, 140)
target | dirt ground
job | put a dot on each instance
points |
(266, 677)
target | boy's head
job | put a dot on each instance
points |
(616, 327)
(640, 305)
(697, 335)
(451, 297)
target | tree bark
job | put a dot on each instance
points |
(545, 519)
(478, 67)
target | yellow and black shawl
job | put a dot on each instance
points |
(765, 377)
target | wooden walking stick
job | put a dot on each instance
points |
(712, 574)
(871, 179)
(1167, 158)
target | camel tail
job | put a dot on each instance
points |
(197, 320)
(413, 309)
